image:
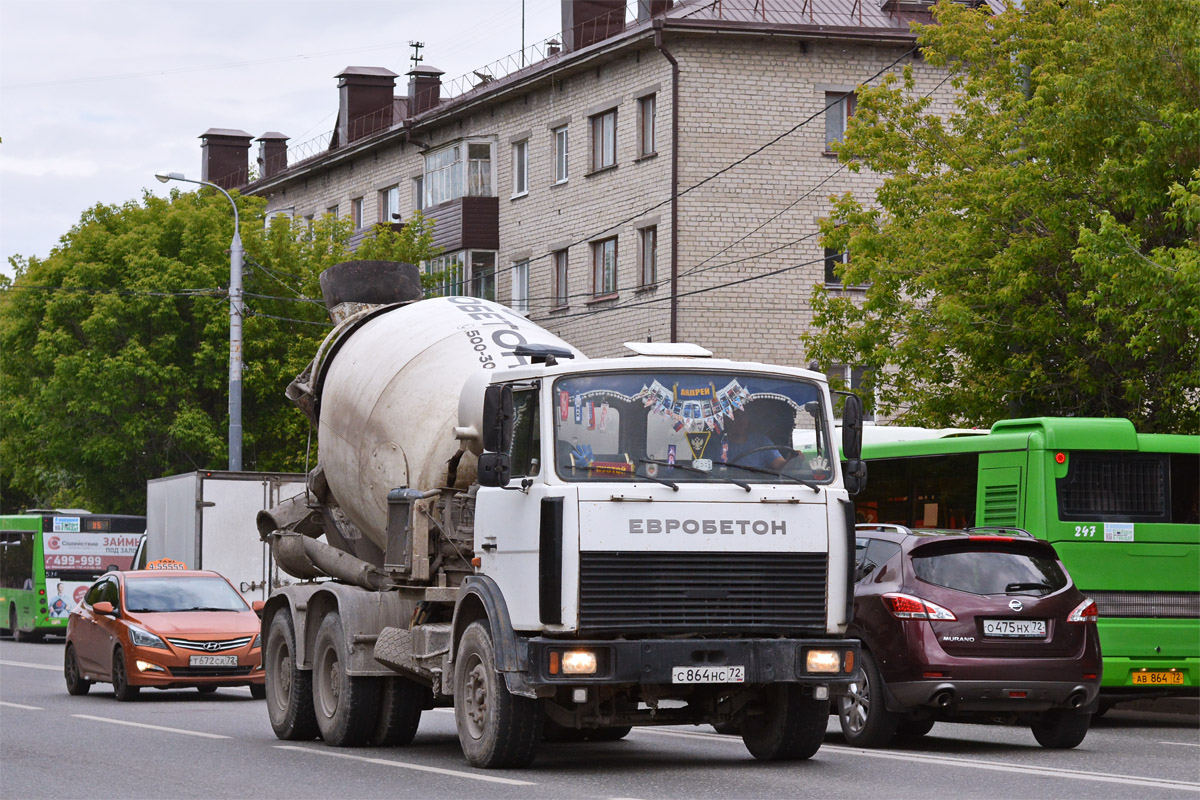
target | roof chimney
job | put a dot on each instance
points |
(586, 22)
(652, 8)
(272, 154)
(364, 102)
(224, 155)
(424, 88)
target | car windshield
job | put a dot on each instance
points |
(193, 593)
(701, 426)
(987, 572)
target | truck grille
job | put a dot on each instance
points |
(1149, 605)
(701, 592)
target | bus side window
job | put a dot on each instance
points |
(16, 559)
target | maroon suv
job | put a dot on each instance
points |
(960, 625)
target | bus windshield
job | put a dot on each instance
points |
(689, 427)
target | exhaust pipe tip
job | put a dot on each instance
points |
(1077, 699)
(943, 698)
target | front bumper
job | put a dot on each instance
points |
(651, 661)
(175, 670)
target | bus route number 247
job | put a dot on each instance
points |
(1085, 531)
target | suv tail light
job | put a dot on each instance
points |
(1084, 612)
(906, 606)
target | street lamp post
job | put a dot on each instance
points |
(235, 324)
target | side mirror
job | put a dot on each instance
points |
(852, 428)
(494, 469)
(854, 475)
(258, 606)
(497, 419)
(104, 607)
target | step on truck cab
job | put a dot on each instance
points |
(559, 547)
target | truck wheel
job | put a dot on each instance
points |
(791, 728)
(288, 688)
(496, 729)
(609, 734)
(865, 720)
(76, 684)
(120, 678)
(346, 707)
(401, 702)
(1061, 728)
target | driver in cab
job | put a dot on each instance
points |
(749, 446)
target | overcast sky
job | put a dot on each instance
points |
(98, 95)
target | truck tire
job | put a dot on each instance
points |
(76, 683)
(614, 734)
(120, 678)
(791, 728)
(865, 720)
(1061, 728)
(496, 729)
(288, 688)
(346, 707)
(401, 702)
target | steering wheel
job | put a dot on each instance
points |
(781, 449)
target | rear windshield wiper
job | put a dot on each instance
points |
(763, 471)
(1028, 586)
(686, 468)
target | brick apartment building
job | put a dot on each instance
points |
(654, 175)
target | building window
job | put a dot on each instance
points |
(419, 193)
(604, 140)
(561, 151)
(520, 287)
(389, 205)
(604, 267)
(850, 379)
(839, 108)
(463, 169)
(483, 274)
(648, 256)
(832, 259)
(271, 215)
(561, 297)
(646, 126)
(356, 212)
(332, 211)
(309, 233)
(447, 275)
(520, 154)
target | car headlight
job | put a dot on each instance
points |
(257, 642)
(143, 638)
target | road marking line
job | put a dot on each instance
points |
(151, 727)
(1182, 744)
(404, 765)
(18, 705)
(31, 666)
(999, 766)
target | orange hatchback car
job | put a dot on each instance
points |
(166, 629)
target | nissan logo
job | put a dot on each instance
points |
(210, 646)
(1014, 604)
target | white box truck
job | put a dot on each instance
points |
(206, 520)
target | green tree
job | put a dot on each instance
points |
(114, 349)
(1037, 250)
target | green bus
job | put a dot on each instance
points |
(1121, 508)
(49, 558)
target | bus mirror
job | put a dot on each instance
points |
(104, 607)
(854, 475)
(497, 419)
(852, 427)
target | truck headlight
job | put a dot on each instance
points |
(573, 662)
(822, 661)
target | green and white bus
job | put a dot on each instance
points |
(1121, 508)
(49, 558)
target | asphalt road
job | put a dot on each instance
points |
(180, 744)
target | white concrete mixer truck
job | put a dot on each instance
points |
(559, 547)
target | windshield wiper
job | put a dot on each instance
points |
(674, 486)
(763, 471)
(686, 468)
(1025, 587)
(205, 608)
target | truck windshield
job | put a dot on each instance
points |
(690, 427)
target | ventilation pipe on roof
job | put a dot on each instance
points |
(272, 154)
(424, 88)
(652, 8)
(365, 102)
(224, 157)
(586, 22)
